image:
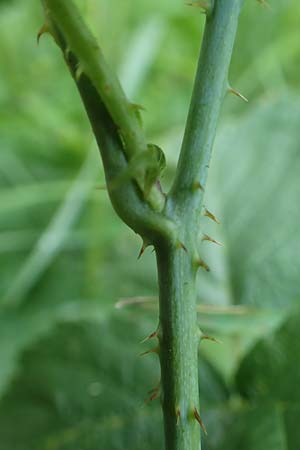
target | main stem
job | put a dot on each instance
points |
(179, 335)
(179, 340)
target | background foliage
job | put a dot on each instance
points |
(69, 374)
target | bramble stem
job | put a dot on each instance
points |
(210, 87)
(179, 334)
(171, 224)
(63, 18)
(179, 340)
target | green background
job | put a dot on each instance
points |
(70, 375)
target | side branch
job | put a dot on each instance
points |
(210, 86)
(126, 196)
(63, 17)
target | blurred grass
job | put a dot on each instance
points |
(65, 256)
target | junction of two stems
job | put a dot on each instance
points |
(170, 223)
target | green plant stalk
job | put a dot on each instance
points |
(211, 85)
(174, 231)
(179, 338)
(179, 334)
(62, 16)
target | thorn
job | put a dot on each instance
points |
(265, 4)
(209, 239)
(151, 336)
(210, 338)
(43, 30)
(152, 350)
(211, 216)
(142, 251)
(238, 94)
(154, 393)
(199, 420)
(78, 72)
(153, 396)
(67, 53)
(138, 107)
(178, 414)
(197, 185)
(180, 245)
(202, 264)
(201, 4)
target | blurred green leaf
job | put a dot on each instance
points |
(254, 191)
(84, 385)
(270, 372)
(256, 429)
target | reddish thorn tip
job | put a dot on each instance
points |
(152, 350)
(151, 336)
(210, 338)
(142, 251)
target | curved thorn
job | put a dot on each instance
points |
(180, 245)
(204, 5)
(211, 216)
(202, 264)
(178, 414)
(142, 251)
(210, 338)
(209, 239)
(154, 393)
(138, 107)
(43, 30)
(199, 420)
(238, 94)
(198, 186)
(151, 336)
(152, 350)
(78, 73)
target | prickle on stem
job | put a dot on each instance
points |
(152, 350)
(211, 216)
(198, 186)
(142, 251)
(199, 420)
(180, 245)
(178, 414)
(200, 263)
(151, 336)
(43, 30)
(209, 239)
(153, 393)
(205, 337)
(237, 94)
(206, 6)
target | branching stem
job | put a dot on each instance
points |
(170, 223)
